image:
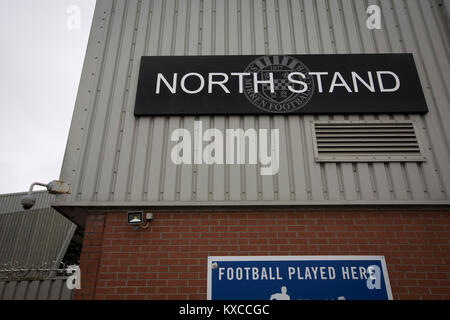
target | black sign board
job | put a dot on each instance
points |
(279, 84)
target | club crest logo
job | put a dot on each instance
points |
(282, 100)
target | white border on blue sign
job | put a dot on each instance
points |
(296, 258)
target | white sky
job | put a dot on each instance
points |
(40, 67)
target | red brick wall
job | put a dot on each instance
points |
(168, 260)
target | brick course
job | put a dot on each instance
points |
(168, 260)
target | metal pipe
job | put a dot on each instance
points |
(36, 184)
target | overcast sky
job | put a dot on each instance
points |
(41, 57)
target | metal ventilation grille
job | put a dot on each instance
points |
(366, 141)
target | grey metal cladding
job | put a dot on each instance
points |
(113, 157)
(36, 238)
(10, 203)
(48, 289)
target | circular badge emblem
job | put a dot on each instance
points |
(282, 99)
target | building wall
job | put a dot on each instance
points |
(54, 288)
(115, 161)
(112, 157)
(169, 259)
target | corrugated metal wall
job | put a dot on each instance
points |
(35, 238)
(49, 289)
(112, 156)
(10, 203)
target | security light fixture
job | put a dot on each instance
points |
(138, 220)
(53, 187)
(135, 217)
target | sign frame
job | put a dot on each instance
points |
(212, 259)
(225, 85)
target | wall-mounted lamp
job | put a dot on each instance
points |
(53, 187)
(138, 220)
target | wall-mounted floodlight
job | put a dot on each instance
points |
(53, 187)
(138, 220)
(135, 217)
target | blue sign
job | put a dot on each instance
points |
(298, 278)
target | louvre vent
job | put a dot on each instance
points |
(366, 141)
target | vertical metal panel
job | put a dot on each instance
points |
(9, 290)
(113, 156)
(33, 289)
(49, 289)
(21, 290)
